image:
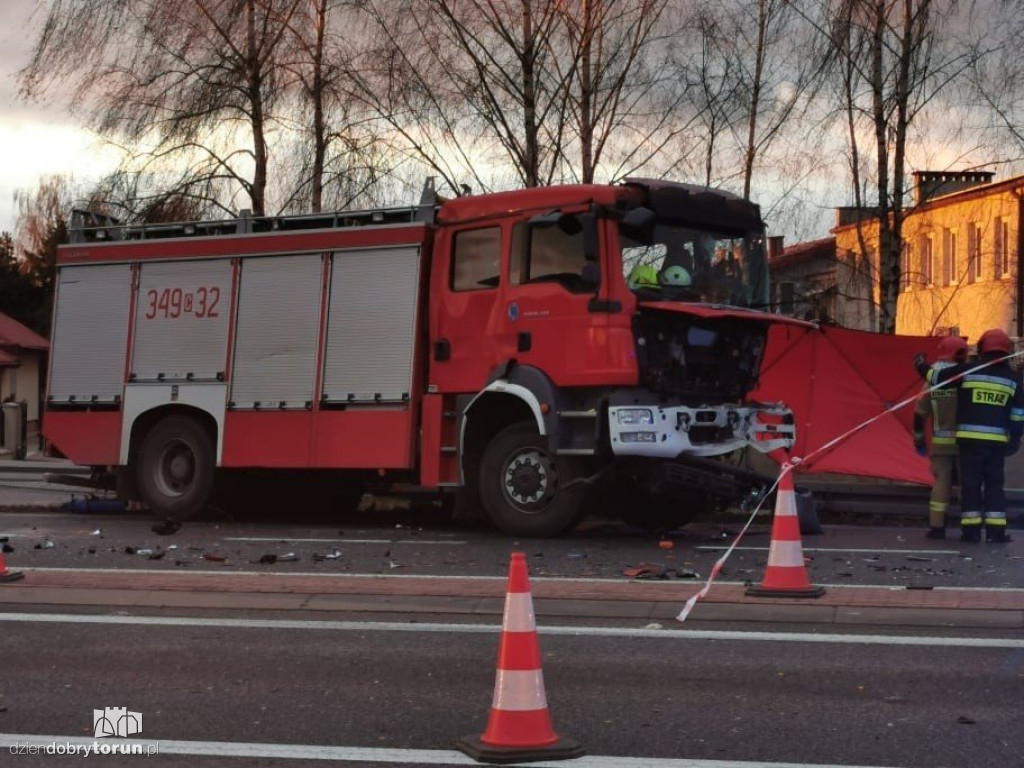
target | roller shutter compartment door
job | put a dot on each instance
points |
(90, 335)
(371, 325)
(181, 320)
(277, 331)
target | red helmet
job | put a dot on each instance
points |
(952, 348)
(995, 340)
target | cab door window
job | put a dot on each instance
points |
(550, 254)
(476, 259)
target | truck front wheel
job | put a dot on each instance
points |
(523, 484)
(175, 467)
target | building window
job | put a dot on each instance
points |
(925, 247)
(1002, 248)
(476, 259)
(787, 298)
(949, 267)
(974, 272)
(905, 261)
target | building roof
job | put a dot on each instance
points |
(803, 252)
(14, 334)
(7, 359)
(963, 195)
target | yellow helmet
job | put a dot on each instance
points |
(643, 274)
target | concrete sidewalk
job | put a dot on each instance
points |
(553, 598)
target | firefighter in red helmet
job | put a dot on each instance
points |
(940, 406)
(990, 419)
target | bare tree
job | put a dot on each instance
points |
(892, 59)
(466, 85)
(611, 58)
(185, 80)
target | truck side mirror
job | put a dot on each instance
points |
(641, 222)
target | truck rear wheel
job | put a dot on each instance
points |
(175, 467)
(522, 484)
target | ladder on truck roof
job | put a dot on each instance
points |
(92, 227)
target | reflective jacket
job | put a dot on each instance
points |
(990, 403)
(940, 404)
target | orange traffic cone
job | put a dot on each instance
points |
(519, 729)
(785, 575)
(5, 573)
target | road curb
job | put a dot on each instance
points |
(637, 601)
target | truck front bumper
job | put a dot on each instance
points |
(667, 432)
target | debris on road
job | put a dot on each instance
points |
(91, 504)
(46, 544)
(686, 573)
(270, 558)
(166, 527)
(918, 559)
(666, 544)
(647, 571)
(97, 532)
(211, 557)
(335, 555)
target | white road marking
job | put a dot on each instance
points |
(373, 754)
(681, 583)
(876, 551)
(283, 539)
(387, 626)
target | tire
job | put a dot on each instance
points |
(175, 467)
(522, 484)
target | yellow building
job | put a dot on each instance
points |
(959, 267)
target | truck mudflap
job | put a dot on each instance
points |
(666, 432)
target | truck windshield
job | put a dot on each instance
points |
(681, 263)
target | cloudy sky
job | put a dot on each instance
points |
(37, 138)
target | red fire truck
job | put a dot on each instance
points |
(539, 352)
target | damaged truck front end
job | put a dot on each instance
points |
(695, 261)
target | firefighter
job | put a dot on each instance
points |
(990, 418)
(940, 406)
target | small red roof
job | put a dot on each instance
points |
(812, 249)
(14, 334)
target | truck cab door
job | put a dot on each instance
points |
(554, 311)
(468, 333)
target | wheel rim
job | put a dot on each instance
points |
(529, 480)
(175, 469)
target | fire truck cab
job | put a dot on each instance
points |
(539, 352)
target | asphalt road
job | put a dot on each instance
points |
(408, 543)
(319, 685)
(755, 701)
